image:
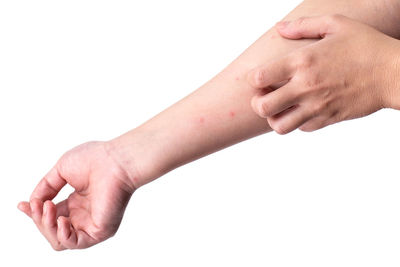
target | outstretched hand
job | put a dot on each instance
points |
(351, 72)
(93, 212)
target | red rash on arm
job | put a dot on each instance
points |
(156, 141)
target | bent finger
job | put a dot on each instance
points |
(49, 186)
(66, 235)
(71, 237)
(275, 102)
(49, 224)
(309, 27)
(271, 73)
(37, 211)
(316, 124)
(289, 120)
(62, 208)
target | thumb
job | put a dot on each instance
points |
(309, 27)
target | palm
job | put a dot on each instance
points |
(93, 212)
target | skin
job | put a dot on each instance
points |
(350, 73)
(217, 115)
(93, 212)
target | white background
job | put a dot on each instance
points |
(74, 71)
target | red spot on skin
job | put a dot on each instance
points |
(201, 120)
(232, 114)
(237, 78)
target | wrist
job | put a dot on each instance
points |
(392, 95)
(135, 154)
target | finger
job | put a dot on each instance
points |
(72, 238)
(271, 73)
(70, 235)
(49, 186)
(37, 211)
(25, 207)
(49, 224)
(278, 85)
(275, 102)
(62, 208)
(289, 120)
(315, 124)
(49, 215)
(66, 235)
(43, 215)
(309, 27)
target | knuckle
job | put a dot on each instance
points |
(253, 104)
(317, 109)
(281, 129)
(327, 94)
(311, 80)
(307, 128)
(338, 116)
(259, 78)
(313, 83)
(263, 109)
(271, 122)
(303, 60)
(303, 128)
(301, 21)
(307, 86)
(311, 126)
(334, 19)
(61, 166)
(323, 105)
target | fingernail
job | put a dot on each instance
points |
(44, 210)
(282, 24)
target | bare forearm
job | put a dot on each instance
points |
(218, 114)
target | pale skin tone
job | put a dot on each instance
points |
(350, 73)
(217, 115)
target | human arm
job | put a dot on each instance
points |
(202, 123)
(218, 114)
(351, 72)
